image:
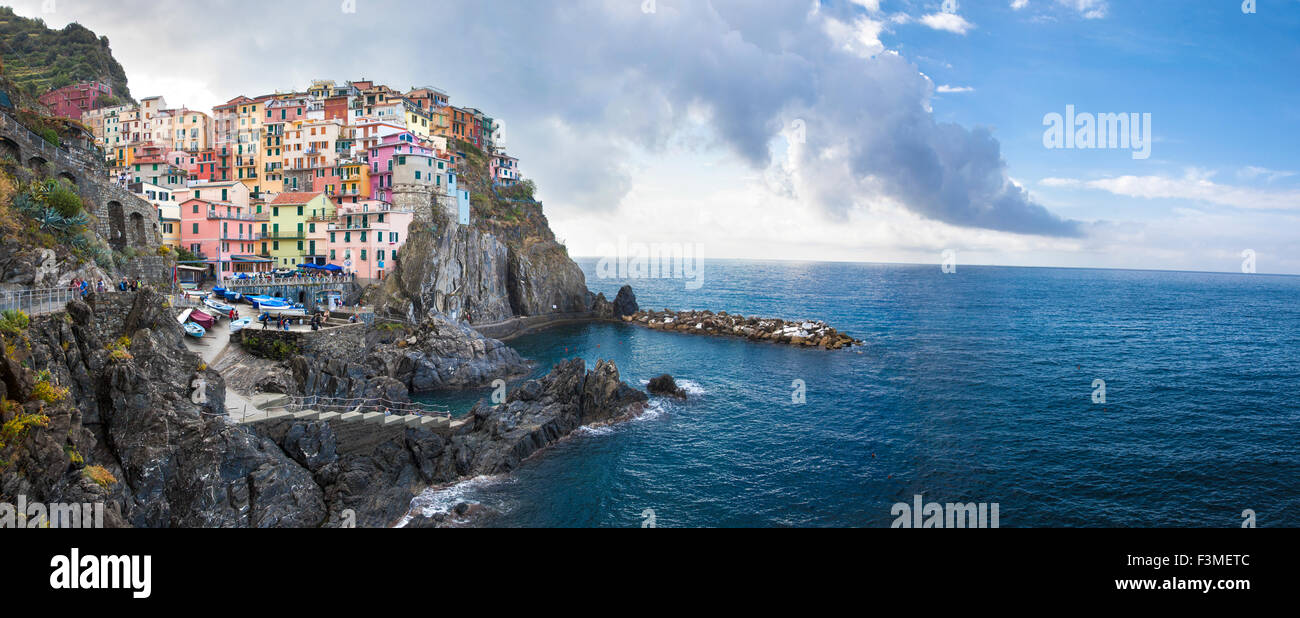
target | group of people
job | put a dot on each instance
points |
(84, 287)
(281, 322)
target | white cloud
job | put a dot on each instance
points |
(1016, 5)
(1194, 186)
(950, 22)
(861, 38)
(1089, 9)
(1252, 172)
(945, 88)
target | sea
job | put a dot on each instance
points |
(1066, 397)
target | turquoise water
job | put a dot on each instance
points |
(972, 387)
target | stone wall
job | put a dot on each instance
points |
(150, 269)
(345, 341)
(120, 216)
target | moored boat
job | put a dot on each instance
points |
(240, 324)
(218, 306)
(194, 330)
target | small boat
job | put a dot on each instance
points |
(203, 319)
(219, 292)
(234, 297)
(268, 302)
(194, 330)
(240, 324)
(185, 315)
(218, 306)
(292, 312)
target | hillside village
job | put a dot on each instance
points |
(326, 178)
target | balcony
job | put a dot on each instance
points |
(280, 236)
(213, 214)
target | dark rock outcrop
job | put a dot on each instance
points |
(378, 479)
(666, 386)
(539, 413)
(625, 302)
(145, 410)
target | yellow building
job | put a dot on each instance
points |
(289, 231)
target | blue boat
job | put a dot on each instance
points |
(194, 330)
(219, 292)
(268, 302)
(220, 307)
(240, 324)
(234, 297)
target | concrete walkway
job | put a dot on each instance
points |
(211, 348)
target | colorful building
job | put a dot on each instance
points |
(221, 234)
(401, 160)
(72, 102)
(296, 222)
(366, 237)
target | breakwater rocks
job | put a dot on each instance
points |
(807, 333)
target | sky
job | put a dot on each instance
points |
(839, 130)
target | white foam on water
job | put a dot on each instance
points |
(691, 387)
(436, 500)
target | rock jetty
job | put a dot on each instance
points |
(806, 333)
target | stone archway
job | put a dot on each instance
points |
(68, 177)
(37, 164)
(140, 237)
(10, 149)
(116, 226)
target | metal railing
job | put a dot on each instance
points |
(38, 301)
(254, 282)
(364, 405)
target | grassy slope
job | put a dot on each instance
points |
(39, 59)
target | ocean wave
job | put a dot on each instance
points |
(435, 500)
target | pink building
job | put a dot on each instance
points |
(401, 160)
(366, 238)
(72, 101)
(222, 234)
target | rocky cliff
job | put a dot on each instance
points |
(506, 263)
(378, 480)
(104, 403)
(110, 415)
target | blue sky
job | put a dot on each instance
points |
(859, 130)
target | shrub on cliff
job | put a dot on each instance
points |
(13, 321)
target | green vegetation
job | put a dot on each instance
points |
(39, 59)
(13, 321)
(271, 347)
(99, 475)
(16, 428)
(119, 351)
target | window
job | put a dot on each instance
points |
(363, 255)
(196, 209)
(275, 244)
(195, 228)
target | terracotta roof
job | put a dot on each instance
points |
(294, 198)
